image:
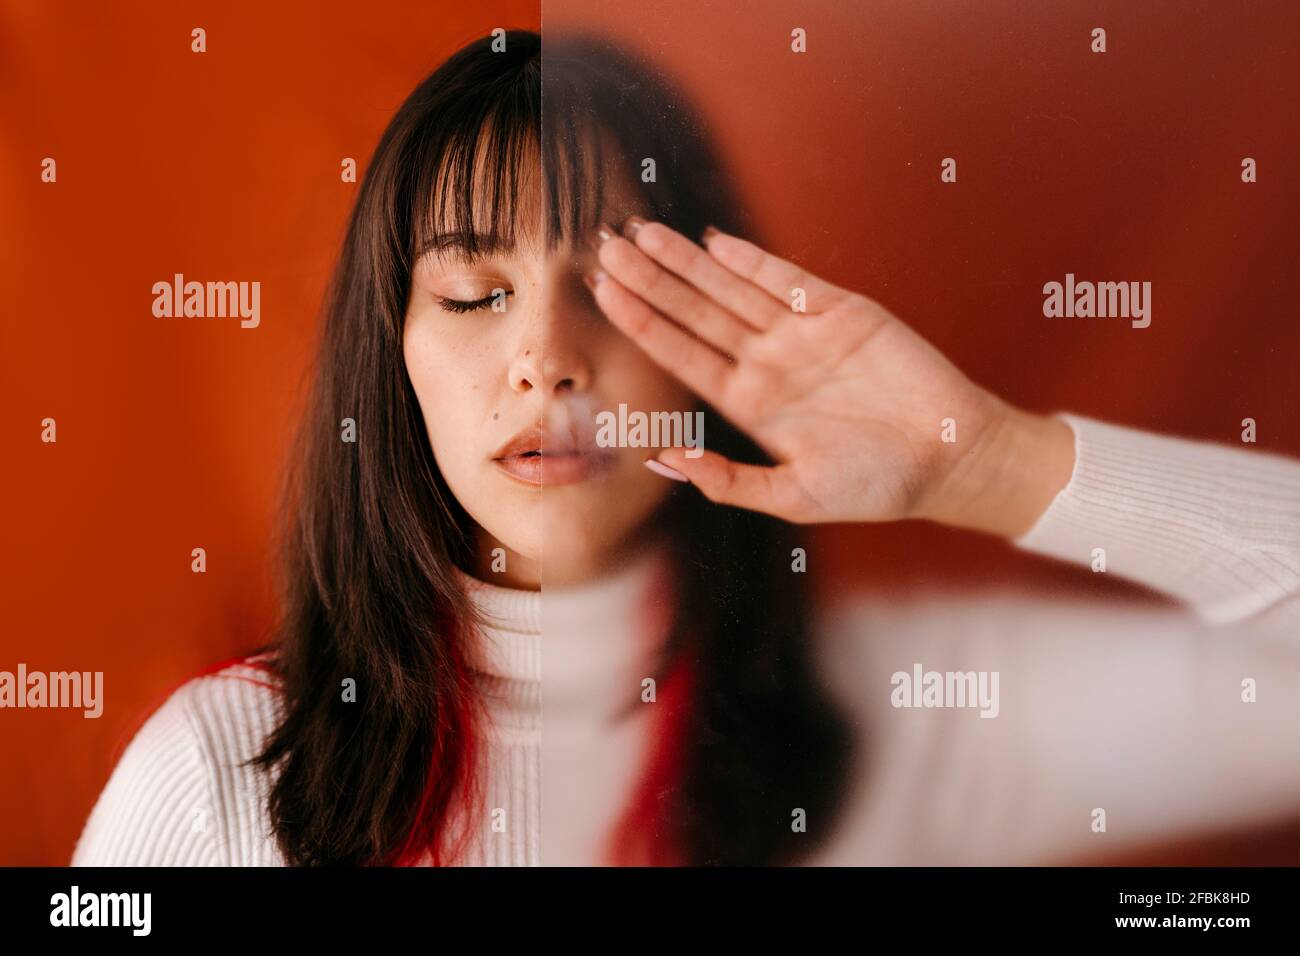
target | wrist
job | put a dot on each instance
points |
(1019, 465)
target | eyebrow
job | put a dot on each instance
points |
(485, 243)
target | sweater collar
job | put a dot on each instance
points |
(594, 642)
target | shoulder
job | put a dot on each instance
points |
(1064, 666)
(182, 793)
(232, 706)
(1093, 700)
(995, 617)
(1054, 644)
(1027, 624)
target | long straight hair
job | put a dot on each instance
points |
(374, 533)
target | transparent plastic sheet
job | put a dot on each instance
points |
(684, 716)
(855, 691)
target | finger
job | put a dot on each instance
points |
(700, 367)
(671, 296)
(779, 278)
(771, 490)
(675, 252)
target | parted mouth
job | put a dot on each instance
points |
(538, 457)
(526, 442)
(538, 442)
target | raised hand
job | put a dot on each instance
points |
(852, 404)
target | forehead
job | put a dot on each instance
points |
(509, 200)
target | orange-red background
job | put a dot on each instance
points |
(225, 166)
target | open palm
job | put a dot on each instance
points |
(865, 419)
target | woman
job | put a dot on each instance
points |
(457, 522)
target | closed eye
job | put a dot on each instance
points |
(470, 305)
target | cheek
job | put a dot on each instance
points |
(633, 377)
(448, 377)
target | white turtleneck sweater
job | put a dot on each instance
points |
(1131, 710)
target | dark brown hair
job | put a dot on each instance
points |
(374, 532)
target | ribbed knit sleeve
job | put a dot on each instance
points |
(157, 807)
(1214, 526)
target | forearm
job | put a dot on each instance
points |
(1213, 526)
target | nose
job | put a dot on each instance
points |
(549, 367)
(552, 357)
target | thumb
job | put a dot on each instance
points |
(770, 490)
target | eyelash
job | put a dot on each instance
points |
(460, 305)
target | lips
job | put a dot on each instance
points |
(537, 457)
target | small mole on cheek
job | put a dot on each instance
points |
(528, 351)
(496, 415)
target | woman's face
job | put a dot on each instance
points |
(497, 385)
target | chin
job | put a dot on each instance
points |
(575, 543)
(572, 532)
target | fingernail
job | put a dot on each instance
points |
(594, 277)
(659, 468)
(632, 225)
(599, 236)
(709, 233)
